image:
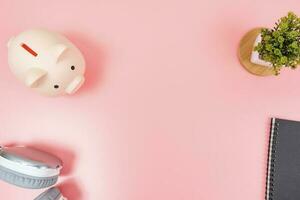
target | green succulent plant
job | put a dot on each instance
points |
(281, 45)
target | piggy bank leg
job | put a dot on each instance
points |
(33, 76)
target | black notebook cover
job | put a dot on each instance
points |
(283, 175)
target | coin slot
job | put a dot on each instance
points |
(28, 49)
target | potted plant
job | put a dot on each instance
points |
(273, 48)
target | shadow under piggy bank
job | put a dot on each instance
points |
(95, 58)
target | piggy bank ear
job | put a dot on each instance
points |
(57, 51)
(33, 77)
(9, 42)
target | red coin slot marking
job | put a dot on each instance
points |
(29, 50)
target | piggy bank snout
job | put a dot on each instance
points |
(75, 84)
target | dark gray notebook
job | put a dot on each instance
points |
(283, 175)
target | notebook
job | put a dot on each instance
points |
(283, 174)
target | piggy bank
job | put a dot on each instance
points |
(46, 61)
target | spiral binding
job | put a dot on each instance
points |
(271, 160)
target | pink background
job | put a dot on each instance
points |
(167, 111)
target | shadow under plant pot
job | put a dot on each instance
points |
(249, 58)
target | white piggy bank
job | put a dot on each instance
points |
(46, 61)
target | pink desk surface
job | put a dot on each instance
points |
(167, 112)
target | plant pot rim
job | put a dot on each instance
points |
(244, 53)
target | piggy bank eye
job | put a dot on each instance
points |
(72, 67)
(56, 86)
